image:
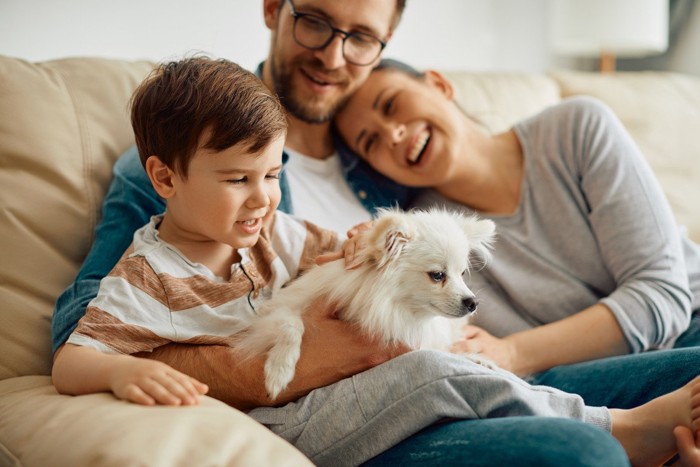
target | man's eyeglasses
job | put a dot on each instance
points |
(315, 33)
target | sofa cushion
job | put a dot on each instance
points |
(39, 427)
(498, 100)
(662, 113)
(62, 125)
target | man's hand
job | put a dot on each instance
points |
(476, 340)
(331, 350)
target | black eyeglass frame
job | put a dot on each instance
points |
(334, 31)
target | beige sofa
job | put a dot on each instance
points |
(62, 125)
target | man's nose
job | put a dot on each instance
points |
(332, 54)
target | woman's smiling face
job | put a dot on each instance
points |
(407, 128)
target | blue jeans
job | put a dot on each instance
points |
(521, 441)
(630, 380)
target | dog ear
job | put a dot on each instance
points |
(481, 234)
(390, 235)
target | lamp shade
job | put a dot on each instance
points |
(625, 28)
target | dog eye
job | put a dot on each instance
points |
(437, 276)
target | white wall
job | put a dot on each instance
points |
(446, 34)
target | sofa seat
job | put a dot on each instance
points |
(39, 427)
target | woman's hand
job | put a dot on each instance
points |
(476, 340)
(351, 247)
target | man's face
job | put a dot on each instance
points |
(312, 84)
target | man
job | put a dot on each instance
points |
(320, 52)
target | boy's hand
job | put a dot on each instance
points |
(350, 249)
(150, 382)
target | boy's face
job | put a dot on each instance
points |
(228, 195)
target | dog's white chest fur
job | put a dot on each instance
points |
(409, 289)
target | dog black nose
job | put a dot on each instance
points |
(470, 304)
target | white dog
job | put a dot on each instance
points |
(407, 289)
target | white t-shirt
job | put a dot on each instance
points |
(320, 193)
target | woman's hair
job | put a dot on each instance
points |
(181, 102)
(397, 65)
(393, 64)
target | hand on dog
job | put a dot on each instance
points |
(350, 249)
(476, 340)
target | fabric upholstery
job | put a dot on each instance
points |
(46, 429)
(662, 112)
(62, 125)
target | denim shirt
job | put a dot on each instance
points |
(131, 201)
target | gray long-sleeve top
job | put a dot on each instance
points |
(593, 225)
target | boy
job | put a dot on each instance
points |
(210, 137)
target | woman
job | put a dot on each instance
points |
(589, 273)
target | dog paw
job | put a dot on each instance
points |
(275, 386)
(280, 367)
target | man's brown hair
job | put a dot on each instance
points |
(400, 7)
(182, 101)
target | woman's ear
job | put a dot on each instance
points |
(271, 10)
(437, 79)
(161, 177)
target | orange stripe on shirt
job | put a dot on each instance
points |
(124, 338)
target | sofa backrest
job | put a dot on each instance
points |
(660, 110)
(498, 100)
(62, 125)
(662, 113)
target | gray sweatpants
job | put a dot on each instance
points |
(355, 419)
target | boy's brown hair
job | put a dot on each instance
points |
(182, 101)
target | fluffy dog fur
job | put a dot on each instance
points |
(407, 289)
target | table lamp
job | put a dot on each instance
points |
(607, 29)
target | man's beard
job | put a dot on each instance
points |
(282, 80)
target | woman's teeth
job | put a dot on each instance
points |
(418, 148)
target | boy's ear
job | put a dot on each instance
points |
(440, 82)
(161, 177)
